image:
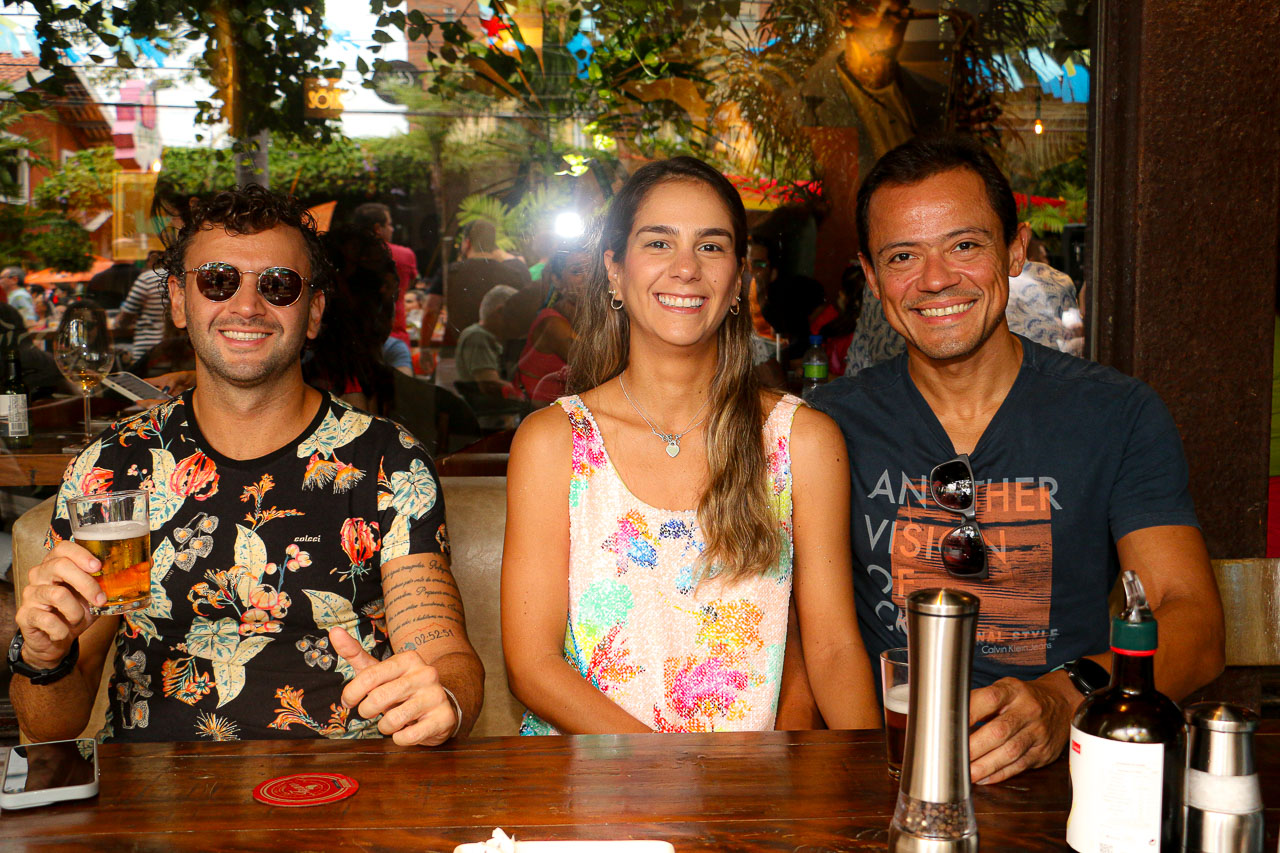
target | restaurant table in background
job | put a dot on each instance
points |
(753, 791)
(41, 464)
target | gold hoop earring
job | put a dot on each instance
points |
(614, 302)
(735, 307)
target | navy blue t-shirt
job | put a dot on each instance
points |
(1077, 456)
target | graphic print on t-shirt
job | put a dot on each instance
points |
(1015, 516)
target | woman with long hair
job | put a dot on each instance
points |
(659, 519)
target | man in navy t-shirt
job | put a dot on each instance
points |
(1078, 470)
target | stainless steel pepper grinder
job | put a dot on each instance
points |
(934, 812)
(1223, 798)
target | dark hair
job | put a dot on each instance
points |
(788, 302)
(925, 156)
(559, 260)
(357, 321)
(852, 281)
(371, 214)
(250, 209)
(482, 235)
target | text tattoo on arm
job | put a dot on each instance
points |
(424, 598)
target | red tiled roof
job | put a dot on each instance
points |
(14, 69)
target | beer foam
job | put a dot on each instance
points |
(110, 531)
(897, 698)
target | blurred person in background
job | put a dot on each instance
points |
(349, 356)
(39, 371)
(46, 314)
(143, 310)
(546, 350)
(481, 269)
(790, 305)
(836, 323)
(13, 280)
(109, 287)
(765, 347)
(479, 352)
(569, 265)
(377, 217)
(415, 303)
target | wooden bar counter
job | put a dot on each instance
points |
(800, 792)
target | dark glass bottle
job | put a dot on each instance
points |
(13, 398)
(1128, 748)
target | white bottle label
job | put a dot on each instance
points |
(15, 414)
(1115, 794)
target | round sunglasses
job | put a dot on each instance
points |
(218, 282)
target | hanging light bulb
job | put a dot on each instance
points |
(1039, 125)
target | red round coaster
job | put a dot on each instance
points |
(305, 789)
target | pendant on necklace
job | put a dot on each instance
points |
(673, 447)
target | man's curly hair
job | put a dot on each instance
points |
(250, 209)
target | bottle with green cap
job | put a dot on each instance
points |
(1128, 747)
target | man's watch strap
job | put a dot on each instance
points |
(1087, 675)
(37, 676)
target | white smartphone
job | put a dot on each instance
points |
(36, 774)
(135, 387)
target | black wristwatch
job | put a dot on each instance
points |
(1087, 675)
(41, 676)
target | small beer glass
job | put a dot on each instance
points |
(115, 528)
(894, 683)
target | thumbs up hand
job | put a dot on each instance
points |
(403, 689)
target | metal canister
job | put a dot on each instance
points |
(934, 813)
(1223, 803)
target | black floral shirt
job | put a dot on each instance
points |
(252, 562)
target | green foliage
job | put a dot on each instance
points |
(84, 182)
(518, 226)
(257, 53)
(46, 240)
(197, 171)
(638, 42)
(14, 149)
(1072, 172)
(314, 171)
(1051, 219)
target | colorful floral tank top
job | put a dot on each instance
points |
(678, 655)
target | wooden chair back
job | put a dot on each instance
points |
(1250, 591)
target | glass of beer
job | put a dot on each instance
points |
(115, 528)
(893, 680)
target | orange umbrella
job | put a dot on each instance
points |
(47, 277)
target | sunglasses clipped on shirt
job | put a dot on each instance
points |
(964, 551)
(279, 286)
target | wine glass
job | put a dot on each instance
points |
(82, 350)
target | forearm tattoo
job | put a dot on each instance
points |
(422, 602)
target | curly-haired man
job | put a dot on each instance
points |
(300, 581)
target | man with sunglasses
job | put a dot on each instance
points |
(300, 582)
(985, 461)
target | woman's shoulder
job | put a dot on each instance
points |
(808, 426)
(816, 436)
(543, 440)
(546, 423)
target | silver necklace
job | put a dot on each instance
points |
(670, 439)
